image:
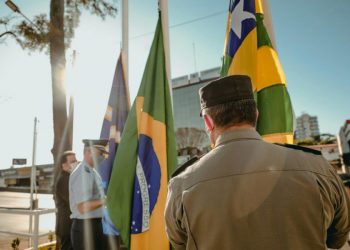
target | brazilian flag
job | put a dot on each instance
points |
(249, 51)
(145, 159)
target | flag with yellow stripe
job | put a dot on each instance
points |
(145, 159)
(249, 51)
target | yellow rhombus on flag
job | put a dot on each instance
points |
(249, 51)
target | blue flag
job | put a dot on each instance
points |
(112, 128)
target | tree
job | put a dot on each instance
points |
(320, 139)
(192, 140)
(54, 35)
(306, 142)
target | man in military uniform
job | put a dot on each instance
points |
(250, 194)
(86, 197)
(66, 163)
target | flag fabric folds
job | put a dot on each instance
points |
(249, 51)
(113, 124)
(145, 159)
(114, 121)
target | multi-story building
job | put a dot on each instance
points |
(344, 143)
(189, 127)
(186, 99)
(307, 127)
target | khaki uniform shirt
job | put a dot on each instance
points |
(250, 194)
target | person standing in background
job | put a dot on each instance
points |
(66, 164)
(86, 198)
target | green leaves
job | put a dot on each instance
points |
(37, 37)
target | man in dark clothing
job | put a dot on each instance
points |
(66, 163)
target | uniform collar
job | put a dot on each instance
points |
(86, 164)
(237, 135)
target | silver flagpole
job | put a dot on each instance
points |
(32, 206)
(125, 40)
(163, 6)
(268, 22)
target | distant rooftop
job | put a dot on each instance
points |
(195, 78)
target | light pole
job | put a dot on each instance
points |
(15, 8)
(33, 201)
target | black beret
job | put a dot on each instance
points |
(226, 89)
(99, 144)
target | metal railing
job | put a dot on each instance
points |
(35, 235)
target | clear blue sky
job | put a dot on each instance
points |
(312, 41)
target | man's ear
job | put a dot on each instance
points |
(208, 123)
(64, 166)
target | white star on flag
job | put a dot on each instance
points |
(238, 16)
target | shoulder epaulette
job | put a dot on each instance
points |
(183, 167)
(86, 168)
(297, 147)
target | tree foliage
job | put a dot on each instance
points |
(37, 38)
(321, 139)
(191, 140)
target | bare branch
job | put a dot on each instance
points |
(12, 35)
(7, 33)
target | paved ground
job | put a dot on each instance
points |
(20, 223)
